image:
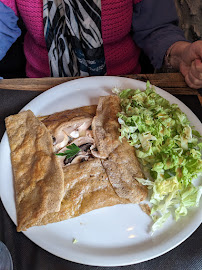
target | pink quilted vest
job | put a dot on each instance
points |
(121, 53)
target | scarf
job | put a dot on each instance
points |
(72, 30)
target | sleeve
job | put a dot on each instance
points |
(9, 30)
(155, 28)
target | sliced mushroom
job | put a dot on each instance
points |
(79, 126)
(83, 128)
(73, 129)
(74, 134)
(63, 140)
(83, 140)
(89, 133)
(54, 140)
(79, 133)
(68, 160)
(63, 159)
(81, 156)
(79, 159)
(95, 152)
(85, 147)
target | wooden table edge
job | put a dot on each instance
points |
(171, 82)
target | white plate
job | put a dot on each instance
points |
(112, 236)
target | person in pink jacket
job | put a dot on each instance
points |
(94, 37)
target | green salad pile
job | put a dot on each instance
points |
(168, 148)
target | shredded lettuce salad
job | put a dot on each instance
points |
(168, 148)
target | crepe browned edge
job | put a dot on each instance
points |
(122, 168)
(38, 176)
(59, 119)
(118, 159)
(105, 125)
(87, 188)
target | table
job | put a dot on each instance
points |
(15, 94)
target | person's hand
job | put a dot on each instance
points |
(191, 64)
(187, 57)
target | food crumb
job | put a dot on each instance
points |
(82, 223)
(145, 208)
(74, 241)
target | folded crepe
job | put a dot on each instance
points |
(122, 168)
(68, 125)
(98, 182)
(86, 184)
(118, 159)
(103, 173)
(105, 125)
(60, 120)
(86, 188)
(38, 176)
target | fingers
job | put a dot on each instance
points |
(191, 64)
(196, 69)
(190, 84)
(196, 49)
(194, 77)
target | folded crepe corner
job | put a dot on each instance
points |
(50, 188)
(38, 176)
(122, 168)
(86, 188)
(105, 125)
(118, 159)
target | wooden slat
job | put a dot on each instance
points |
(180, 91)
(29, 84)
(169, 80)
(172, 82)
(163, 80)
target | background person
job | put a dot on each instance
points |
(94, 37)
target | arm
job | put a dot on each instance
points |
(155, 28)
(156, 32)
(9, 30)
(187, 57)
